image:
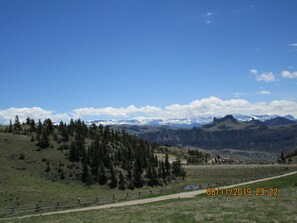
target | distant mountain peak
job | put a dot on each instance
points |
(190, 122)
(279, 121)
(227, 117)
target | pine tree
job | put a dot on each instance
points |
(129, 173)
(85, 177)
(101, 175)
(113, 180)
(10, 127)
(32, 125)
(130, 185)
(44, 139)
(64, 133)
(283, 157)
(137, 178)
(17, 125)
(155, 176)
(47, 166)
(149, 176)
(73, 153)
(28, 121)
(167, 165)
(39, 127)
(49, 125)
(122, 182)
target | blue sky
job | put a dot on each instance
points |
(98, 59)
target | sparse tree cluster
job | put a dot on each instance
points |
(196, 157)
(287, 158)
(103, 155)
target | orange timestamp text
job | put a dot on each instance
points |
(243, 191)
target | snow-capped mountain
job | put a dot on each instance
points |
(185, 122)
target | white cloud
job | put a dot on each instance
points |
(238, 94)
(116, 112)
(211, 106)
(33, 112)
(253, 71)
(293, 44)
(259, 49)
(266, 77)
(207, 17)
(264, 92)
(289, 75)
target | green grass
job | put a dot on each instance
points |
(199, 209)
(23, 182)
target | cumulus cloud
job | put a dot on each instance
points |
(264, 92)
(289, 75)
(266, 77)
(116, 112)
(253, 71)
(211, 106)
(33, 112)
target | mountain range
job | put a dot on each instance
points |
(185, 122)
(274, 135)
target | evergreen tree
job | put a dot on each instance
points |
(49, 125)
(113, 180)
(17, 125)
(101, 175)
(149, 176)
(130, 185)
(85, 177)
(39, 127)
(32, 125)
(122, 185)
(129, 173)
(167, 165)
(47, 166)
(10, 127)
(44, 139)
(176, 167)
(137, 178)
(28, 121)
(73, 152)
(64, 133)
(62, 175)
(283, 157)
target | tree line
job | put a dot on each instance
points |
(106, 156)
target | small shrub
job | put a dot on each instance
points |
(22, 156)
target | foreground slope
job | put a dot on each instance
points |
(253, 208)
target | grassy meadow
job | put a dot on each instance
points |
(24, 183)
(203, 208)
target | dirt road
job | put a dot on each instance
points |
(150, 200)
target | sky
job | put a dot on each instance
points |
(130, 59)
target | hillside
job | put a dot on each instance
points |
(229, 133)
(98, 154)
